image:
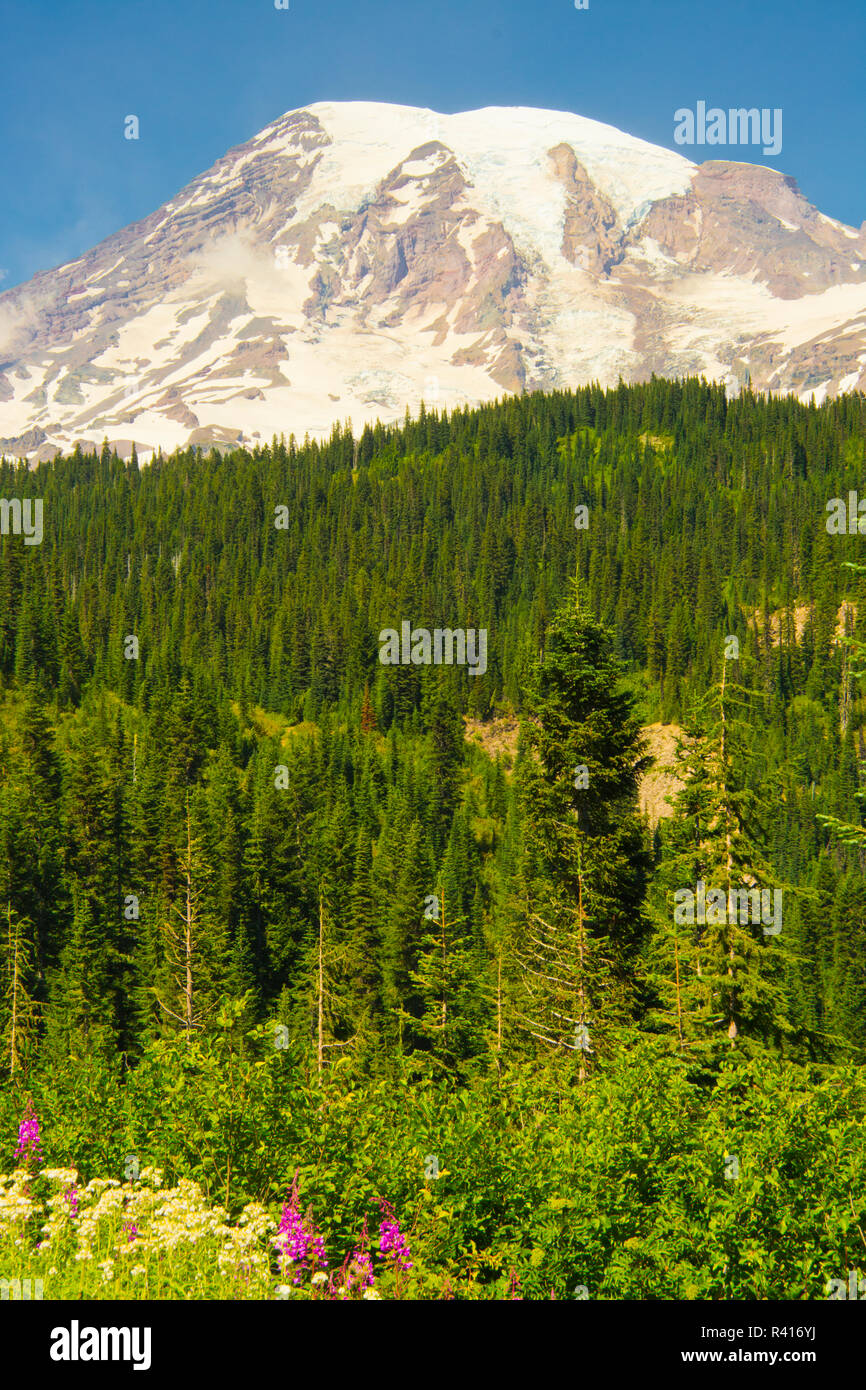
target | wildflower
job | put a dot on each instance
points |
(71, 1198)
(371, 1293)
(97, 1186)
(16, 1203)
(137, 1271)
(320, 1277)
(107, 1267)
(392, 1242)
(151, 1175)
(297, 1240)
(239, 1254)
(29, 1144)
(66, 1177)
(131, 1230)
(358, 1269)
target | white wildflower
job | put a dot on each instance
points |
(67, 1177)
(99, 1185)
(152, 1176)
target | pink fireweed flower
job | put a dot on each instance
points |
(71, 1197)
(392, 1242)
(297, 1240)
(29, 1143)
(359, 1266)
(131, 1231)
(356, 1271)
(360, 1271)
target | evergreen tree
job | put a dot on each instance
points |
(718, 957)
(580, 765)
(18, 1007)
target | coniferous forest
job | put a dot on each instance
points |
(322, 976)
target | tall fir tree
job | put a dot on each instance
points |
(581, 759)
(718, 958)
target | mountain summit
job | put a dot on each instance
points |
(355, 258)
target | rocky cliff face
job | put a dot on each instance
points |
(355, 258)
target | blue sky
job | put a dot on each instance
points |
(203, 75)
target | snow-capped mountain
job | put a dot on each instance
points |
(355, 258)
